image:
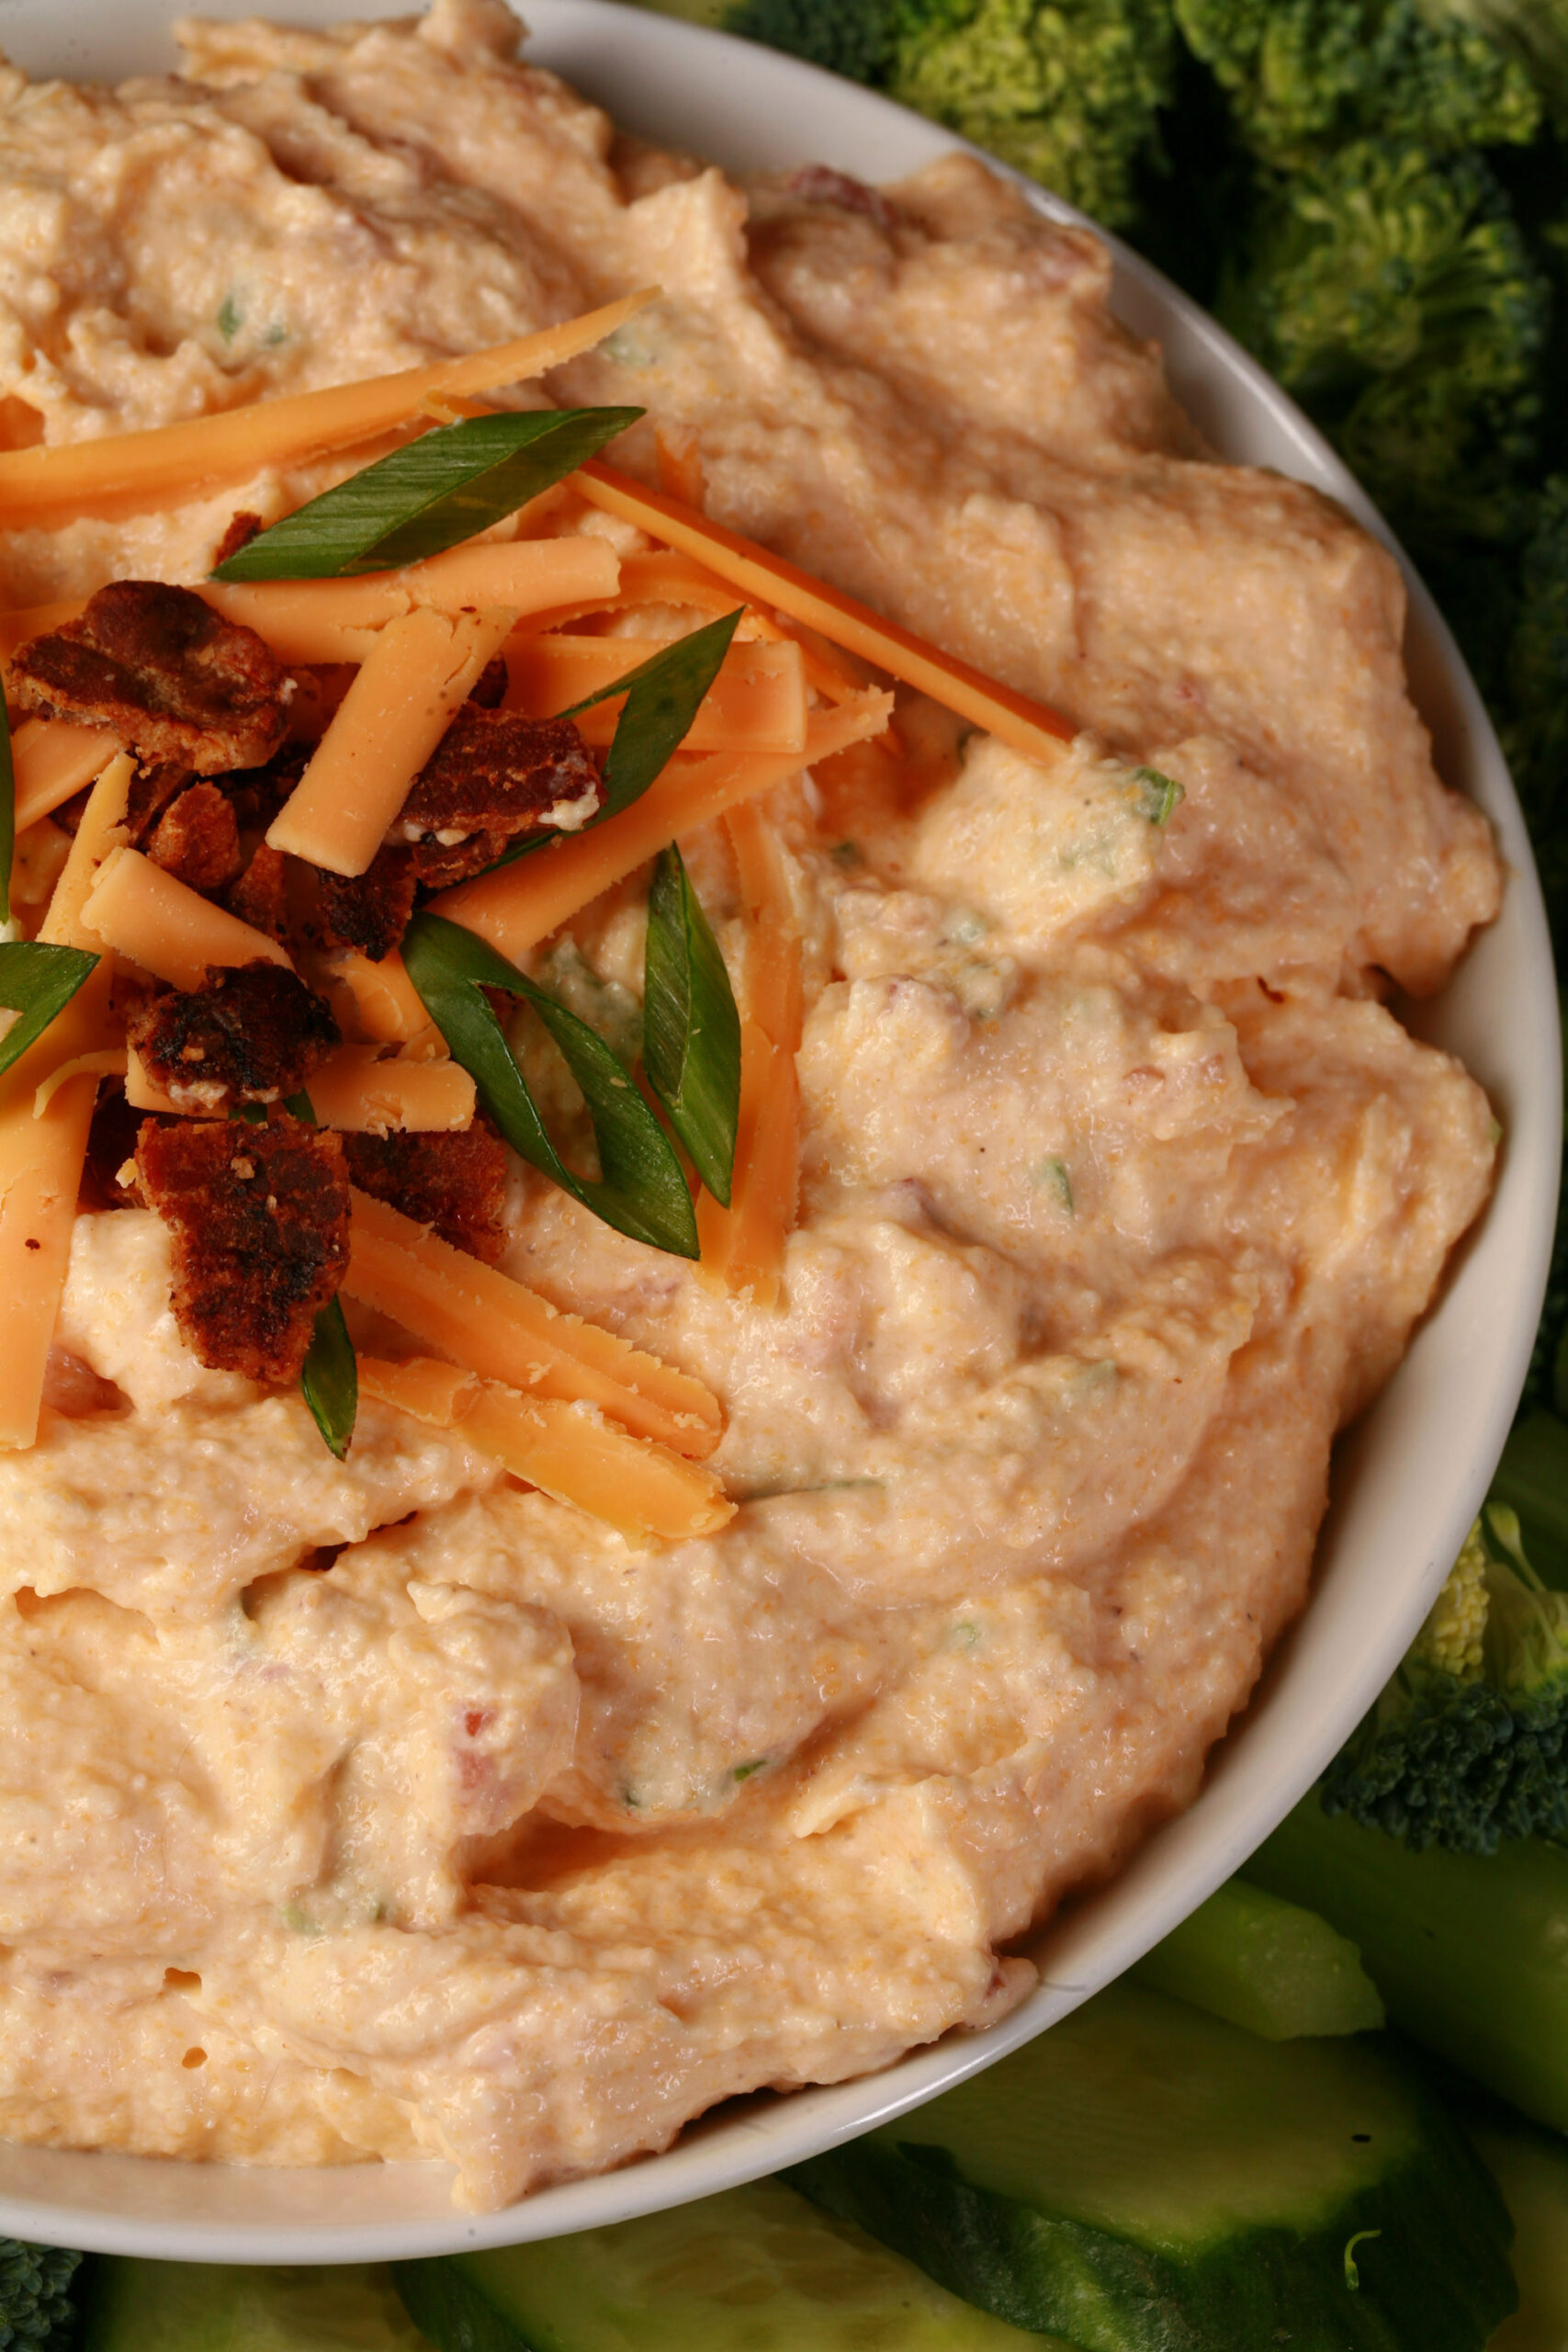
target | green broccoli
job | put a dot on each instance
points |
(34, 2310)
(1068, 93)
(1391, 293)
(1469, 1743)
(1305, 76)
(850, 37)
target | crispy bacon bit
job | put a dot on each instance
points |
(251, 1034)
(260, 897)
(259, 1217)
(495, 775)
(259, 793)
(242, 528)
(454, 1183)
(370, 911)
(196, 839)
(490, 687)
(111, 1140)
(171, 678)
(152, 788)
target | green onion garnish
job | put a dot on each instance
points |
(663, 697)
(329, 1378)
(691, 1048)
(443, 487)
(1162, 794)
(641, 1191)
(38, 982)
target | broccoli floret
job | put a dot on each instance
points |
(1304, 75)
(1393, 294)
(1534, 31)
(35, 2312)
(850, 37)
(1469, 1743)
(1067, 92)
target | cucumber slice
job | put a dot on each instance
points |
(1531, 2169)
(1265, 1965)
(1146, 2178)
(131, 2306)
(756, 2269)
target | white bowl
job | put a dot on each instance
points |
(1407, 1480)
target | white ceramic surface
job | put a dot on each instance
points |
(1407, 1480)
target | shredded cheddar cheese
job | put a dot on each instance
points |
(170, 461)
(417, 676)
(161, 923)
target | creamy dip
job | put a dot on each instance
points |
(389, 1808)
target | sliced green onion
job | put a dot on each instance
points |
(329, 1378)
(37, 982)
(443, 487)
(641, 1191)
(1162, 794)
(691, 1047)
(664, 694)
(7, 812)
(663, 698)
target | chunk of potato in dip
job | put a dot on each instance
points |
(387, 1807)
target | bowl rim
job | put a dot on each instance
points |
(662, 72)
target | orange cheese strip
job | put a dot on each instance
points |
(143, 1094)
(426, 1390)
(40, 856)
(41, 1157)
(524, 903)
(638, 1488)
(413, 683)
(40, 1174)
(773, 941)
(359, 1094)
(387, 1005)
(52, 759)
(497, 1328)
(743, 1245)
(757, 703)
(108, 1062)
(164, 925)
(172, 461)
(767, 578)
(97, 838)
(336, 620)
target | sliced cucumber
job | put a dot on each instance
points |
(1147, 2179)
(1531, 2169)
(757, 2269)
(130, 2306)
(1265, 1965)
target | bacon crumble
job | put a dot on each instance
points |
(250, 1035)
(368, 910)
(169, 678)
(259, 1221)
(456, 1183)
(196, 839)
(260, 897)
(242, 529)
(494, 776)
